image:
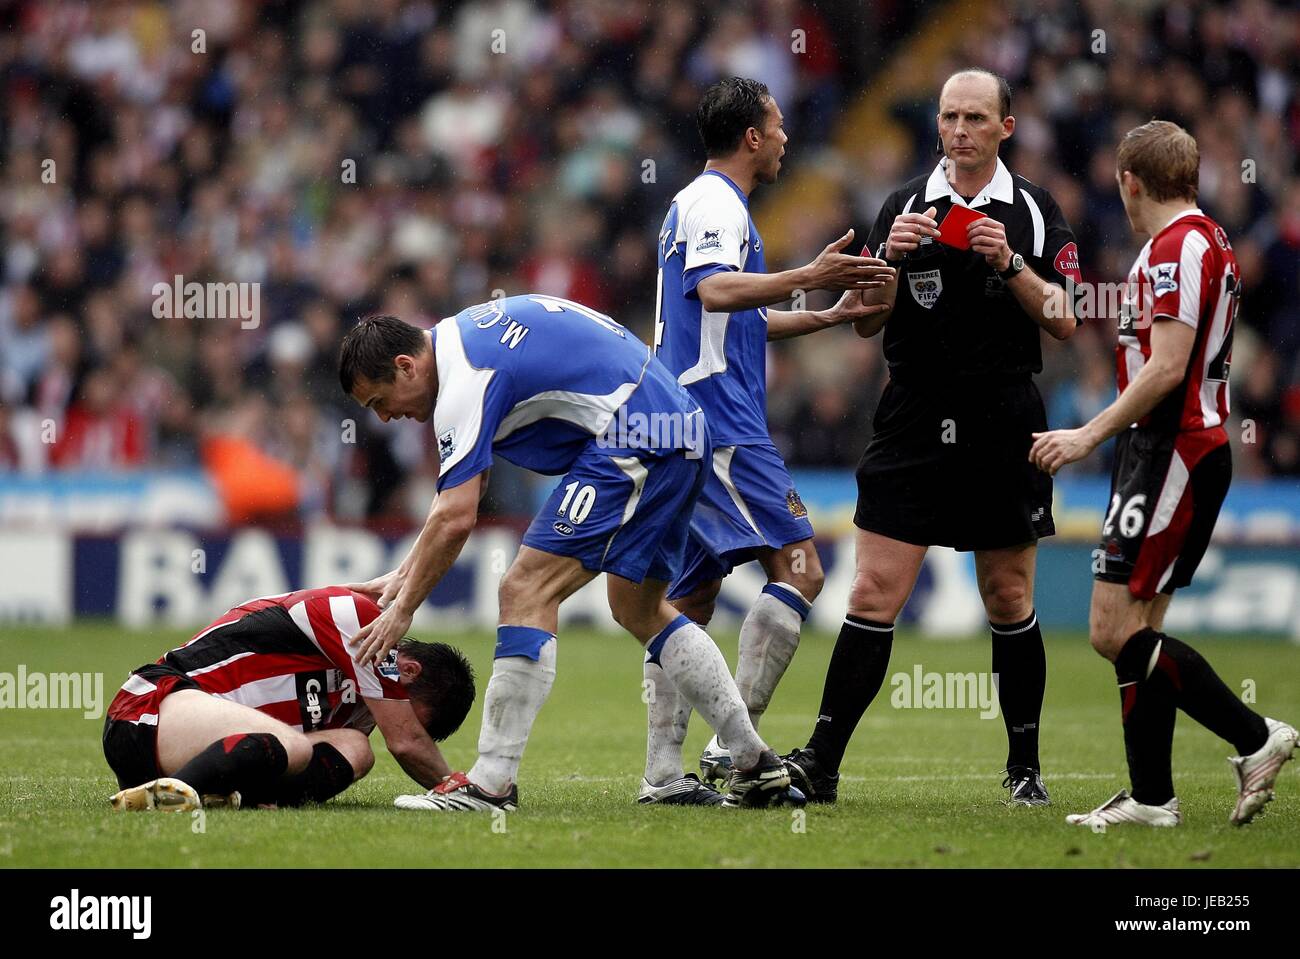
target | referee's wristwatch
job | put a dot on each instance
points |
(1017, 264)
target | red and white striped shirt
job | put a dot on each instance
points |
(289, 656)
(1186, 272)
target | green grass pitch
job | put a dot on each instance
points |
(920, 787)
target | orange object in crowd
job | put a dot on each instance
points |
(253, 486)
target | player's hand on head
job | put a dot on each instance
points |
(907, 232)
(989, 237)
(380, 635)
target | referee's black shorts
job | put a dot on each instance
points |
(948, 464)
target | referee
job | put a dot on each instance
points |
(948, 464)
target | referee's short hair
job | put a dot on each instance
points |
(726, 110)
(1004, 88)
(1164, 157)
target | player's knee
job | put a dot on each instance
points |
(1104, 632)
(512, 595)
(810, 583)
(870, 597)
(355, 748)
(633, 618)
(799, 566)
(362, 761)
(701, 603)
(1106, 642)
(1007, 601)
(700, 611)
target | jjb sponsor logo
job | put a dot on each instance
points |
(708, 240)
(926, 287)
(1164, 279)
(75, 912)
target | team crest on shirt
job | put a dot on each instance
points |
(446, 445)
(926, 287)
(1164, 279)
(794, 504)
(708, 240)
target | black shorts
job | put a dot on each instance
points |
(948, 465)
(1165, 494)
(131, 726)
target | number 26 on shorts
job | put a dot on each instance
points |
(1131, 518)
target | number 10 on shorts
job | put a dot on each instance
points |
(582, 499)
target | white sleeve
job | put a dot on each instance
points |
(715, 227)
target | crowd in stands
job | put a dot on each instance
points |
(412, 157)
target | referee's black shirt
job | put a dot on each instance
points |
(953, 315)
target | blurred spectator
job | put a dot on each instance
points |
(100, 432)
(414, 157)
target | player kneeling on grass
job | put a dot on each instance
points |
(555, 387)
(265, 707)
(1171, 474)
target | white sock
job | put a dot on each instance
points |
(514, 697)
(768, 638)
(695, 666)
(667, 714)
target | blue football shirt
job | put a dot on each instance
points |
(721, 358)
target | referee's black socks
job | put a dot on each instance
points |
(855, 675)
(1020, 665)
(1158, 674)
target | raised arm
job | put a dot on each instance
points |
(452, 519)
(859, 307)
(731, 290)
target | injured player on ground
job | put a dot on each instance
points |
(265, 707)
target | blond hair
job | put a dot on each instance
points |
(1164, 157)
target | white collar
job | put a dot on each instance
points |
(1194, 211)
(999, 188)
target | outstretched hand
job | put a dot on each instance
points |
(836, 270)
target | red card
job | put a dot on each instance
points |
(952, 230)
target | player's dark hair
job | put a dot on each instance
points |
(1164, 157)
(445, 685)
(370, 347)
(1004, 88)
(727, 109)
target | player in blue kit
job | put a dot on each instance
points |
(712, 332)
(558, 388)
